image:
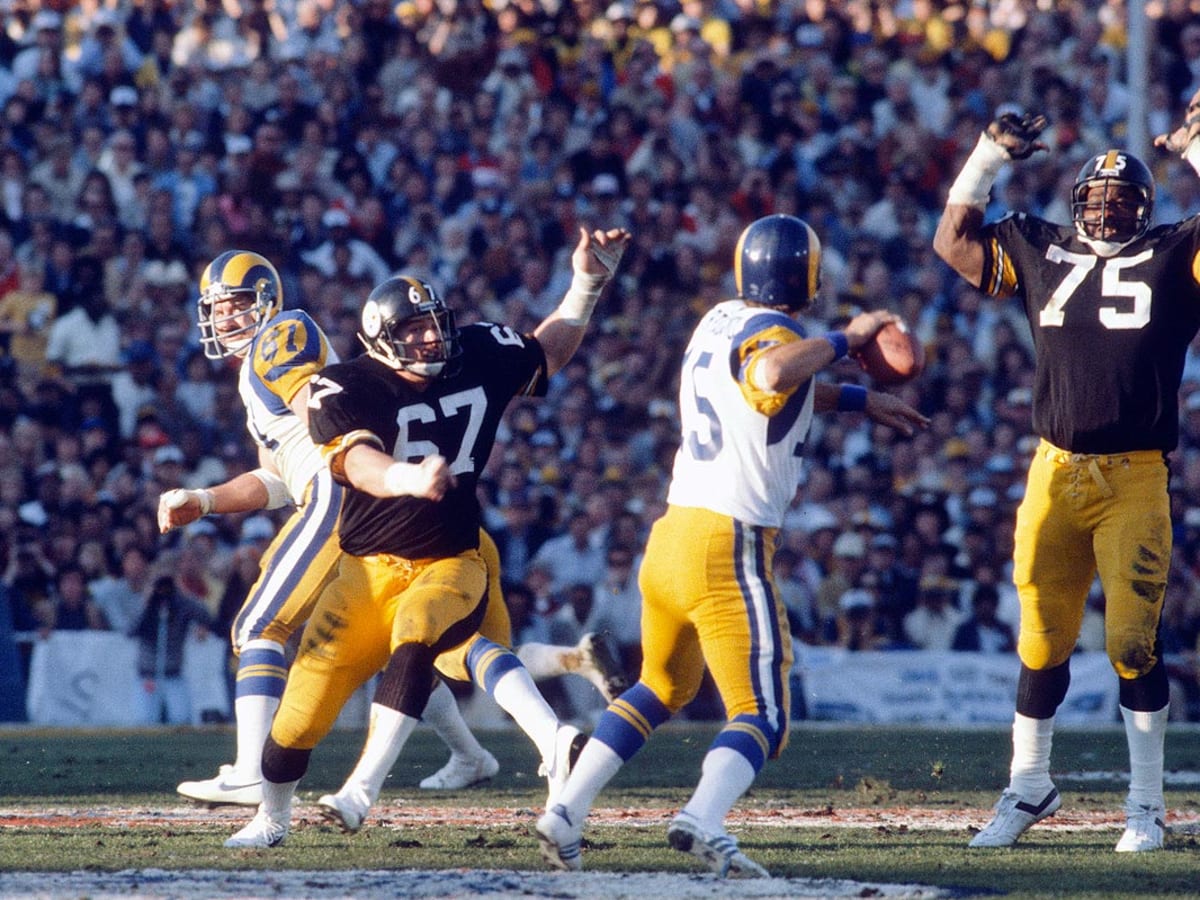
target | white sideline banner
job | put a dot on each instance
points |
(83, 678)
(80, 678)
(920, 686)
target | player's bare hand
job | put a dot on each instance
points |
(599, 252)
(890, 410)
(1178, 140)
(863, 327)
(1018, 134)
(176, 508)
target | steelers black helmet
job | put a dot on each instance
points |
(395, 311)
(1117, 215)
(778, 263)
(236, 275)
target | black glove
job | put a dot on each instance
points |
(1018, 135)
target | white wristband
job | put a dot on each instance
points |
(581, 298)
(401, 479)
(974, 183)
(176, 497)
(277, 491)
(205, 498)
(1192, 153)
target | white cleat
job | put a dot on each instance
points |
(261, 832)
(1144, 829)
(346, 809)
(600, 665)
(717, 851)
(1013, 817)
(462, 772)
(568, 744)
(560, 839)
(224, 790)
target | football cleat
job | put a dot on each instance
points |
(560, 839)
(568, 744)
(346, 809)
(599, 664)
(261, 832)
(717, 851)
(462, 772)
(1144, 829)
(1013, 817)
(224, 790)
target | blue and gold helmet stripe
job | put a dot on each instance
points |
(777, 262)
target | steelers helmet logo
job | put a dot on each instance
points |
(372, 319)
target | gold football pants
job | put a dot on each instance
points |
(1083, 514)
(708, 597)
(373, 605)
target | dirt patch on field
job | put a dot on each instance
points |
(392, 815)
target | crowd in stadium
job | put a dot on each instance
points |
(464, 142)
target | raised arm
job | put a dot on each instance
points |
(1183, 139)
(958, 239)
(594, 263)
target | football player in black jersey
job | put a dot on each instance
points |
(1113, 304)
(409, 427)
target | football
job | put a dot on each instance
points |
(894, 356)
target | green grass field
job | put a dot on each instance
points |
(68, 799)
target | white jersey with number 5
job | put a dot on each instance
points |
(741, 449)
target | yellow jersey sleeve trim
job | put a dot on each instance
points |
(749, 357)
(334, 453)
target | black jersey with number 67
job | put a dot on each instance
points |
(1111, 333)
(456, 416)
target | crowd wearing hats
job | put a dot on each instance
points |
(465, 142)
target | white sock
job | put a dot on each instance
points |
(444, 716)
(1145, 732)
(1029, 774)
(724, 777)
(386, 736)
(544, 660)
(277, 799)
(516, 694)
(254, 714)
(595, 768)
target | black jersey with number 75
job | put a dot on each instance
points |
(1111, 332)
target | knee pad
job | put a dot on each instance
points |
(1130, 654)
(283, 764)
(1040, 692)
(407, 680)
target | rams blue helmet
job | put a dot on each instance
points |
(778, 263)
(253, 293)
(398, 315)
(1115, 215)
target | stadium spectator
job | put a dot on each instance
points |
(983, 632)
(160, 632)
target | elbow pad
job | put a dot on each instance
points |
(277, 490)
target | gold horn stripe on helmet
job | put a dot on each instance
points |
(814, 261)
(737, 258)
